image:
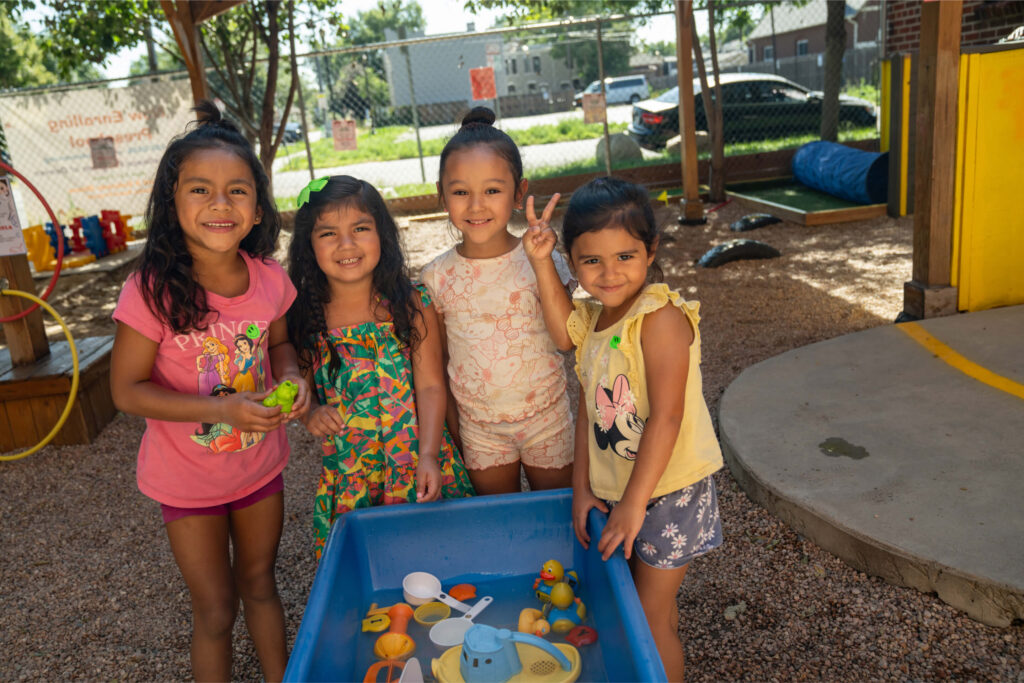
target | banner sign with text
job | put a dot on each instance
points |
(95, 149)
(11, 240)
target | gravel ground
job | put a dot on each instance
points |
(89, 590)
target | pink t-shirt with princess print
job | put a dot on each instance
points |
(192, 464)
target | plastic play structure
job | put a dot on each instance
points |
(842, 171)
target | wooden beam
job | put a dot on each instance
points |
(26, 337)
(935, 160)
(186, 33)
(692, 206)
(207, 9)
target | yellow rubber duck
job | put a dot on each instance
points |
(532, 621)
(565, 610)
(551, 573)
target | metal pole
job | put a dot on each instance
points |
(412, 98)
(298, 87)
(775, 53)
(600, 75)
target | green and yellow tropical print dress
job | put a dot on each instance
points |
(373, 460)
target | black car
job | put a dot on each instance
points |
(755, 106)
(292, 132)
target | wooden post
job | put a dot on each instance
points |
(184, 16)
(692, 206)
(930, 293)
(26, 338)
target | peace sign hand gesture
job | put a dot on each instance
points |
(539, 240)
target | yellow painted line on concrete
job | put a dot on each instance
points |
(958, 361)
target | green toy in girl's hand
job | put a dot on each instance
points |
(283, 395)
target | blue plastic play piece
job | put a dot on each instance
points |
(93, 232)
(52, 234)
(844, 172)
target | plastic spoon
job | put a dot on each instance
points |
(449, 632)
(422, 587)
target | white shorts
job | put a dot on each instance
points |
(544, 440)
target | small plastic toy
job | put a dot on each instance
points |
(392, 669)
(581, 635)
(283, 395)
(94, 237)
(450, 632)
(565, 610)
(421, 587)
(429, 613)
(550, 574)
(462, 591)
(377, 618)
(396, 644)
(531, 620)
(490, 655)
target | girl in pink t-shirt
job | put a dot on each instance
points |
(507, 379)
(212, 454)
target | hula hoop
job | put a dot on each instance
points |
(60, 245)
(74, 377)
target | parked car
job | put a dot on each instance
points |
(292, 132)
(754, 106)
(618, 90)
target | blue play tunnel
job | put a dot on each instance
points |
(842, 171)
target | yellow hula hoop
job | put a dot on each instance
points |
(74, 376)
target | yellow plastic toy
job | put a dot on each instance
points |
(532, 620)
(565, 610)
(396, 644)
(499, 655)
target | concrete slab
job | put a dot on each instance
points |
(894, 460)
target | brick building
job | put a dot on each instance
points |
(984, 22)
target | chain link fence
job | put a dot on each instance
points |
(383, 112)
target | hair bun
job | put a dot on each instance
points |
(479, 115)
(209, 114)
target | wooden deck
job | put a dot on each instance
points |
(32, 397)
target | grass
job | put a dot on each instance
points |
(593, 166)
(385, 145)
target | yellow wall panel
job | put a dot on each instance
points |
(991, 226)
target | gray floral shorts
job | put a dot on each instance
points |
(679, 526)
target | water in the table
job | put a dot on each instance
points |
(511, 595)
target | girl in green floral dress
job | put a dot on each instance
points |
(370, 344)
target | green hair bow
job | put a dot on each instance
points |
(313, 186)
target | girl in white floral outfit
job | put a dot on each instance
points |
(510, 406)
(645, 448)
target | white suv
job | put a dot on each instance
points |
(619, 90)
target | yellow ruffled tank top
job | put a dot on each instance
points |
(610, 366)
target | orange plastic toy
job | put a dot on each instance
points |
(462, 591)
(396, 644)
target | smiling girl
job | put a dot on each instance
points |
(507, 379)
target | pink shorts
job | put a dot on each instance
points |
(544, 440)
(276, 485)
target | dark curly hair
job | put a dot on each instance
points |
(478, 129)
(165, 265)
(390, 276)
(611, 201)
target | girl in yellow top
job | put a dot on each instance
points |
(645, 446)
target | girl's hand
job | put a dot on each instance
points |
(428, 480)
(245, 412)
(539, 240)
(623, 525)
(324, 421)
(582, 501)
(302, 399)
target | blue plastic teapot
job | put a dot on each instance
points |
(489, 654)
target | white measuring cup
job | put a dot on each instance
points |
(422, 587)
(449, 632)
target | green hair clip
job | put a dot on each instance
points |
(313, 186)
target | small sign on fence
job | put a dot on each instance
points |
(593, 107)
(481, 80)
(344, 134)
(11, 240)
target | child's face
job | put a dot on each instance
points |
(216, 202)
(346, 245)
(611, 265)
(480, 193)
(4, 189)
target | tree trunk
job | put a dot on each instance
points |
(716, 186)
(835, 46)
